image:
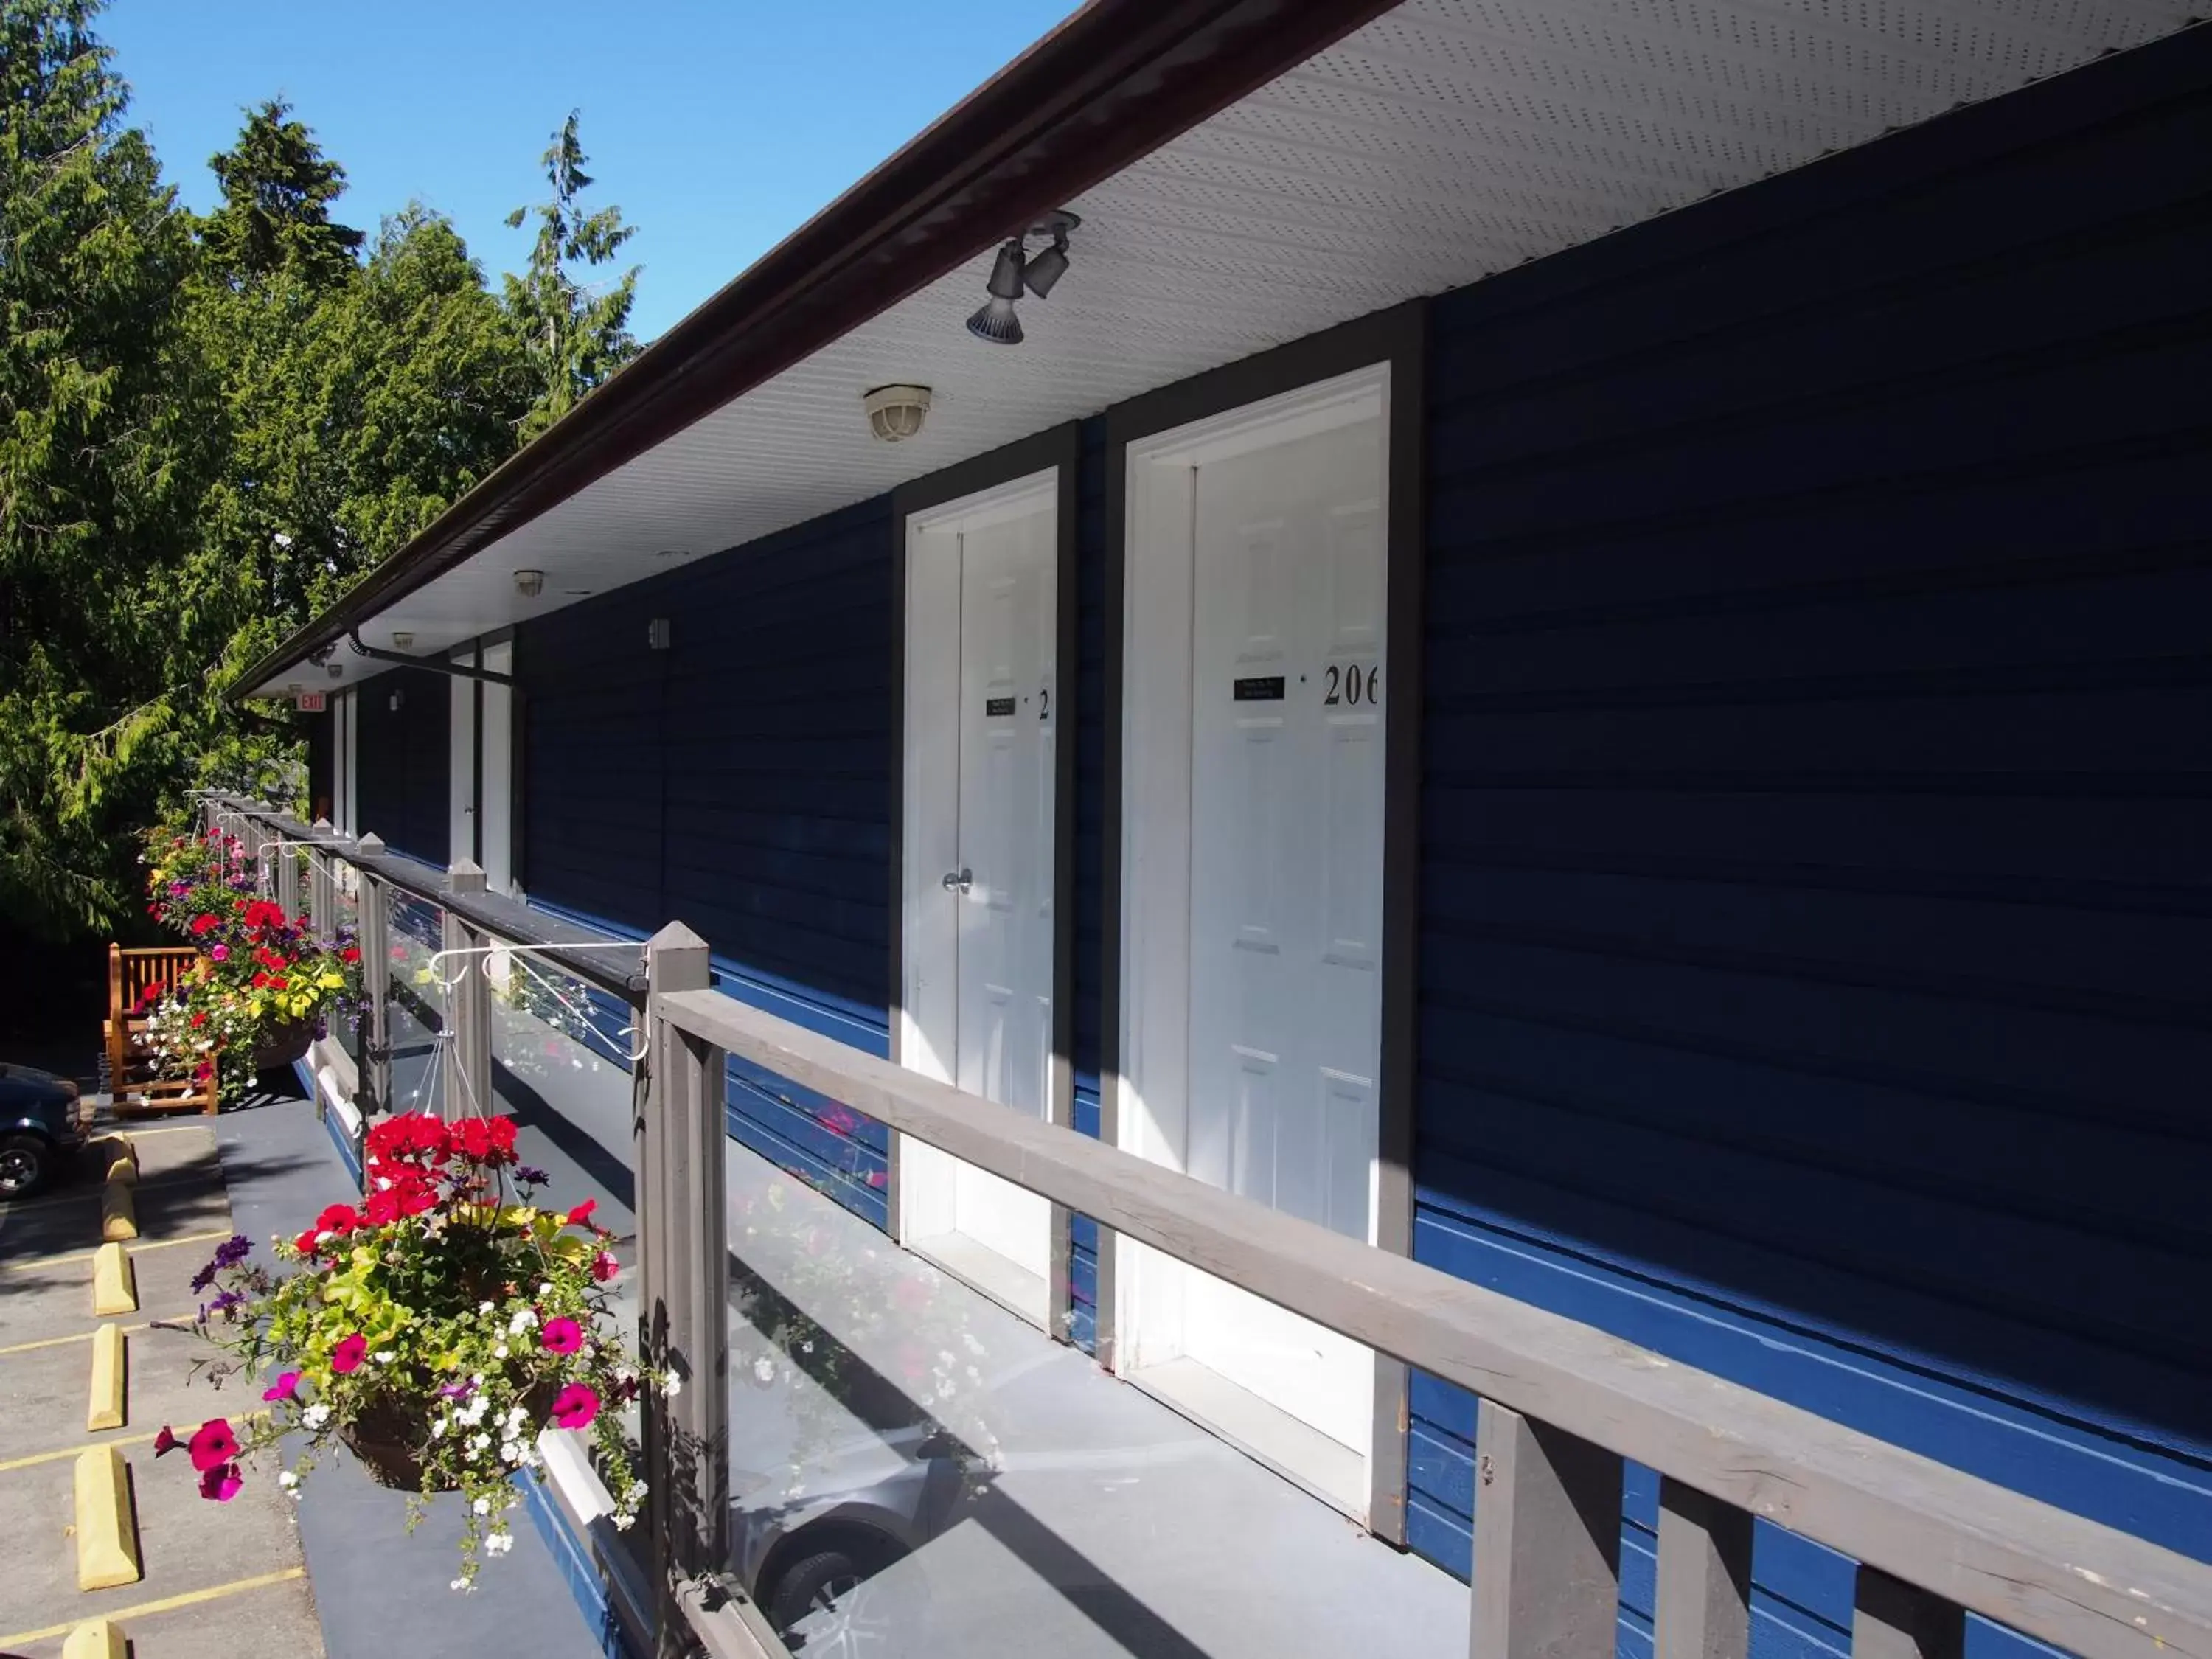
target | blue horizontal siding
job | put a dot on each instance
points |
(401, 762)
(738, 781)
(1812, 973)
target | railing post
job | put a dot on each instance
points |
(1546, 1541)
(1704, 1596)
(682, 1317)
(1893, 1619)
(468, 1005)
(373, 1094)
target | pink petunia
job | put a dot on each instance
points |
(166, 1442)
(221, 1484)
(221, 953)
(604, 1267)
(561, 1336)
(213, 1445)
(284, 1388)
(575, 1406)
(347, 1355)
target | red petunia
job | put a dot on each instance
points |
(581, 1215)
(203, 924)
(604, 1267)
(213, 1445)
(575, 1406)
(347, 1356)
(351, 954)
(198, 1020)
(166, 1442)
(338, 1219)
(306, 1242)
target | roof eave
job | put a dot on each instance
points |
(1110, 85)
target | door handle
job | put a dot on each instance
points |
(960, 880)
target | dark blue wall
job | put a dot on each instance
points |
(739, 781)
(1817, 788)
(401, 762)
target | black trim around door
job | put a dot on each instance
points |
(1059, 450)
(1399, 336)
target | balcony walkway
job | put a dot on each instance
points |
(1050, 1508)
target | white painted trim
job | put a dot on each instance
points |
(1151, 1080)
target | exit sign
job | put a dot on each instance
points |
(311, 702)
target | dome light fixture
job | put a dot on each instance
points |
(1014, 271)
(530, 583)
(896, 412)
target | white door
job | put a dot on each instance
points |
(495, 769)
(1253, 760)
(461, 775)
(981, 726)
(1286, 884)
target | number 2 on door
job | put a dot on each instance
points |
(1350, 684)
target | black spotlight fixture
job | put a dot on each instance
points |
(996, 322)
(1014, 270)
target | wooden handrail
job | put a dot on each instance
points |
(1967, 1542)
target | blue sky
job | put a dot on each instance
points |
(717, 127)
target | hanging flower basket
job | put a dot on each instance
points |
(434, 1329)
(280, 1045)
(388, 1438)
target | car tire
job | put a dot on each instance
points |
(809, 1585)
(26, 1163)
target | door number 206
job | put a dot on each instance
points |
(1350, 683)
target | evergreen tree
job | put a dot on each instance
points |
(576, 336)
(106, 442)
(277, 188)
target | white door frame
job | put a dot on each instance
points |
(462, 777)
(1369, 368)
(926, 953)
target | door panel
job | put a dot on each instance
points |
(982, 628)
(1285, 915)
(1007, 634)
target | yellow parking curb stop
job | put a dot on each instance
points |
(109, 1375)
(119, 1212)
(106, 1534)
(96, 1638)
(114, 1284)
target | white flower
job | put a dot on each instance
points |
(385, 1356)
(671, 1385)
(482, 1506)
(287, 1480)
(459, 1584)
(974, 1347)
(483, 1306)
(624, 1522)
(316, 1415)
(499, 1543)
(438, 1429)
(523, 1320)
(500, 1352)
(545, 1289)
(511, 1450)
(480, 1441)
(764, 1369)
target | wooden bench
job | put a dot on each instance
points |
(136, 1084)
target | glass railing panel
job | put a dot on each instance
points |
(920, 1469)
(347, 1024)
(414, 934)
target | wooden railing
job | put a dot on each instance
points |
(1563, 1404)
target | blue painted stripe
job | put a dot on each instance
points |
(572, 1556)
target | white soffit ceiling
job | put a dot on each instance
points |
(1444, 141)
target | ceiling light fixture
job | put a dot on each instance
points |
(896, 412)
(530, 583)
(1013, 271)
(403, 640)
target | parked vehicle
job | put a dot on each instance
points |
(42, 1126)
